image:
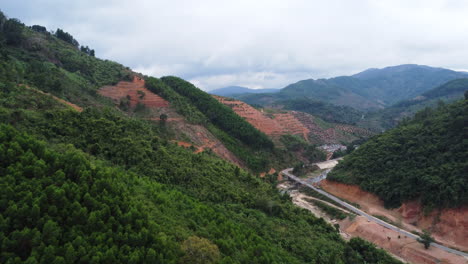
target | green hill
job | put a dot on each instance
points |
(101, 186)
(336, 92)
(369, 90)
(423, 158)
(402, 82)
(389, 117)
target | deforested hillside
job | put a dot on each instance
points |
(100, 183)
(423, 158)
(277, 123)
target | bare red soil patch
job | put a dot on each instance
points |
(399, 245)
(202, 139)
(253, 116)
(294, 123)
(291, 125)
(448, 226)
(280, 124)
(137, 92)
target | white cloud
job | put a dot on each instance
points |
(217, 43)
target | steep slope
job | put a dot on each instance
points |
(258, 119)
(247, 143)
(105, 187)
(131, 94)
(135, 91)
(424, 158)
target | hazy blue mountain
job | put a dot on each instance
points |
(368, 90)
(390, 116)
(338, 91)
(235, 90)
(396, 83)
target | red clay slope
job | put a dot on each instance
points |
(294, 123)
(291, 125)
(200, 137)
(280, 124)
(449, 226)
(137, 92)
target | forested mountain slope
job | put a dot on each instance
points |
(423, 158)
(390, 116)
(369, 90)
(103, 186)
(55, 63)
(402, 82)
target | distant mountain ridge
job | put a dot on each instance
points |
(402, 82)
(392, 115)
(367, 90)
(236, 90)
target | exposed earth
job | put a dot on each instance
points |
(276, 123)
(448, 226)
(186, 134)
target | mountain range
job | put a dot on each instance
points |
(368, 90)
(235, 90)
(392, 115)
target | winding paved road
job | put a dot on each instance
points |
(288, 173)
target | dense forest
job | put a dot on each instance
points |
(390, 117)
(100, 186)
(423, 158)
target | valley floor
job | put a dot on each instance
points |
(401, 246)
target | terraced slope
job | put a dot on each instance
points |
(311, 128)
(280, 123)
(258, 119)
(291, 125)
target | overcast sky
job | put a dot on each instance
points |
(259, 44)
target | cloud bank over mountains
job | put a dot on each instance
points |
(259, 44)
